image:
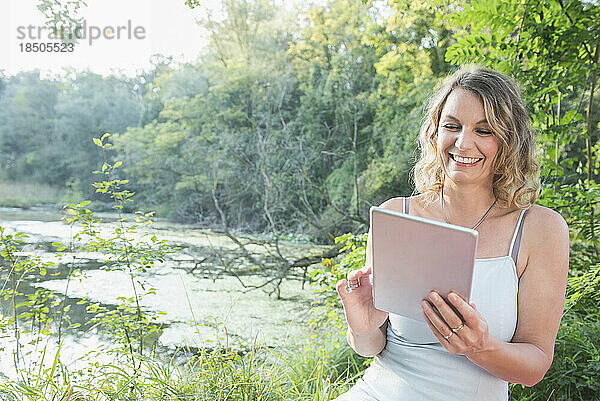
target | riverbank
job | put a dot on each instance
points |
(21, 194)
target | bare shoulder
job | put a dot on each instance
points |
(543, 222)
(393, 204)
(546, 237)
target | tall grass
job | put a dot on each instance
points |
(261, 374)
(20, 194)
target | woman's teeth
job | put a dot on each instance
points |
(465, 160)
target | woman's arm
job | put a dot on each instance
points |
(368, 344)
(366, 333)
(527, 358)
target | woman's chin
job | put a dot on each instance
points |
(467, 178)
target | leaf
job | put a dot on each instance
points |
(97, 141)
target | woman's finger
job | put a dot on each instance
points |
(476, 330)
(471, 316)
(354, 278)
(450, 340)
(340, 287)
(439, 324)
(353, 275)
(445, 310)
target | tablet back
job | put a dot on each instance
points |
(413, 256)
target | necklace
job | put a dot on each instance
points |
(480, 220)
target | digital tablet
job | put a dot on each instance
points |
(411, 256)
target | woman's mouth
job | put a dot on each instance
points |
(465, 161)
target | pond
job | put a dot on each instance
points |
(204, 304)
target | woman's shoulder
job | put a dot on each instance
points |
(545, 233)
(397, 203)
(541, 219)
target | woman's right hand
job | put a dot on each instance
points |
(361, 315)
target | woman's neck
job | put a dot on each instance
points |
(465, 205)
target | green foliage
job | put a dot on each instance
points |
(578, 204)
(551, 48)
(219, 374)
(131, 328)
(61, 15)
(284, 108)
(37, 309)
(47, 125)
(20, 194)
(130, 251)
(325, 279)
(576, 367)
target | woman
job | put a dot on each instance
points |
(478, 170)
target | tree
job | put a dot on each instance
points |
(26, 125)
(62, 15)
(552, 47)
(88, 106)
(410, 39)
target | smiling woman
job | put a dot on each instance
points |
(466, 146)
(493, 103)
(477, 169)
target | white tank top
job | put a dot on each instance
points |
(414, 366)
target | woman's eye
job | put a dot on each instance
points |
(451, 127)
(484, 132)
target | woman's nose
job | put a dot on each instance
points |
(465, 139)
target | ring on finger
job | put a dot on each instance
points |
(448, 336)
(457, 329)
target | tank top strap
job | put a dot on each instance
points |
(516, 239)
(405, 205)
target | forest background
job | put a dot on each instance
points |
(292, 124)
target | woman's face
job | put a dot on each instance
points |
(465, 142)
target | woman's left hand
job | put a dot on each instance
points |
(466, 335)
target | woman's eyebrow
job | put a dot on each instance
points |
(451, 117)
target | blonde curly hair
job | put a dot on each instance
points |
(516, 180)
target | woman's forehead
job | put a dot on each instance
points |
(464, 105)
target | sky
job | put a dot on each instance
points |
(130, 32)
